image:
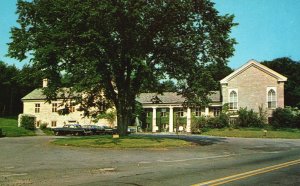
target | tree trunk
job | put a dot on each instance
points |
(122, 121)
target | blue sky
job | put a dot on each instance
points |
(267, 29)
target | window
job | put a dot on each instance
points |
(198, 112)
(72, 107)
(53, 123)
(271, 98)
(233, 100)
(216, 111)
(163, 113)
(180, 112)
(37, 108)
(54, 107)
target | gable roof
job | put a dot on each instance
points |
(172, 97)
(37, 94)
(253, 63)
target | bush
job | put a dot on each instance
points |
(198, 125)
(43, 126)
(27, 122)
(285, 117)
(220, 121)
(249, 118)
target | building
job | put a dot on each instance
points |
(35, 104)
(253, 85)
(167, 108)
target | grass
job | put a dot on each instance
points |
(255, 133)
(122, 142)
(48, 131)
(10, 127)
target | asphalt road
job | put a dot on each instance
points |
(213, 161)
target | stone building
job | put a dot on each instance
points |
(253, 85)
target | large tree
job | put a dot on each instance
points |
(290, 69)
(119, 46)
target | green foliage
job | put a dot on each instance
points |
(255, 133)
(43, 126)
(249, 118)
(220, 121)
(290, 69)
(198, 124)
(27, 122)
(136, 44)
(202, 124)
(48, 131)
(285, 117)
(15, 84)
(110, 116)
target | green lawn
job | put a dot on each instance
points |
(254, 133)
(11, 129)
(122, 142)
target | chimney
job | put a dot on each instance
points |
(45, 83)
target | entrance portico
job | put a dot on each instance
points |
(165, 113)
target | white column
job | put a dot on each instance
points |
(206, 111)
(154, 119)
(171, 119)
(188, 120)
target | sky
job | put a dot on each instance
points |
(267, 29)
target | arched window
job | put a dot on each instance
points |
(233, 100)
(272, 98)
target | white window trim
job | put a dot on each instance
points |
(276, 95)
(198, 111)
(237, 94)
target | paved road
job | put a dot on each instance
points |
(34, 161)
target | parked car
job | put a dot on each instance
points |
(72, 129)
(95, 130)
(108, 130)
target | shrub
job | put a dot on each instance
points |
(27, 122)
(285, 117)
(220, 121)
(198, 124)
(249, 118)
(43, 126)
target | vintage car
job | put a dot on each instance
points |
(97, 130)
(72, 129)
